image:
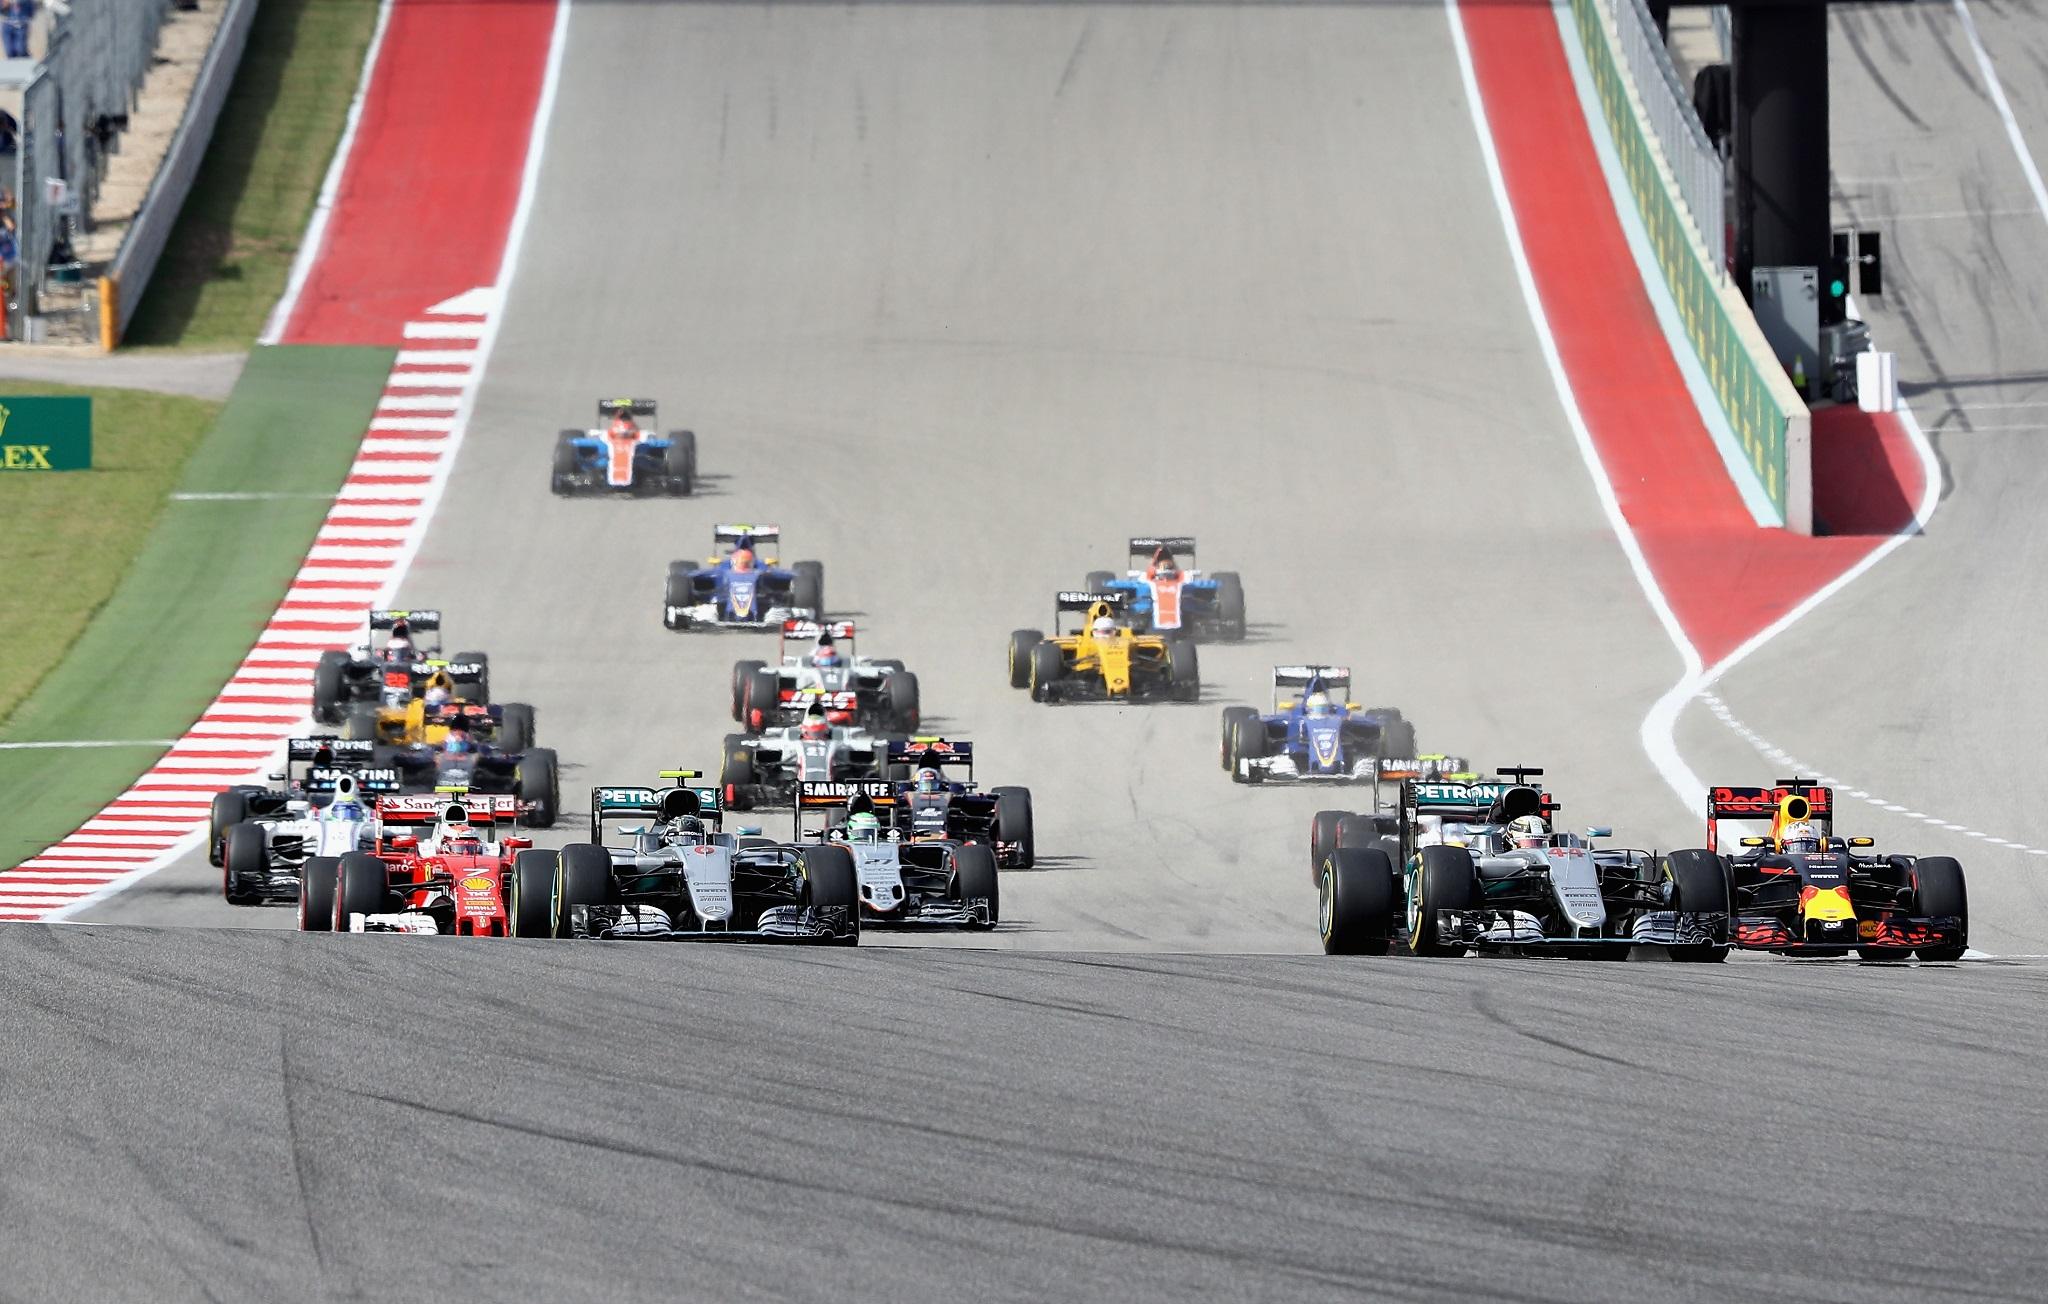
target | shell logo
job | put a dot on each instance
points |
(476, 883)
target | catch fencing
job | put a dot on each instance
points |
(1688, 150)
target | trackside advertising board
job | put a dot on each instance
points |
(45, 434)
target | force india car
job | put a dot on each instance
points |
(263, 837)
(1464, 884)
(999, 817)
(624, 455)
(680, 876)
(765, 769)
(1804, 891)
(375, 672)
(1341, 745)
(1118, 665)
(853, 690)
(1169, 596)
(920, 879)
(744, 587)
(449, 881)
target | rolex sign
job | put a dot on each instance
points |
(45, 434)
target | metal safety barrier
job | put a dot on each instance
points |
(1688, 151)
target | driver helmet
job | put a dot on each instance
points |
(1800, 835)
(398, 649)
(686, 825)
(826, 657)
(348, 810)
(1163, 566)
(622, 424)
(437, 696)
(927, 780)
(1316, 706)
(1527, 833)
(457, 742)
(816, 728)
(862, 826)
(1104, 627)
(743, 559)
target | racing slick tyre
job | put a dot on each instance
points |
(228, 810)
(742, 673)
(532, 883)
(1021, 643)
(974, 875)
(1397, 736)
(562, 475)
(680, 463)
(328, 687)
(245, 856)
(1046, 668)
(1941, 891)
(1230, 606)
(583, 878)
(476, 687)
(901, 701)
(360, 724)
(362, 886)
(1183, 670)
(538, 781)
(515, 727)
(1231, 715)
(676, 593)
(808, 588)
(1699, 884)
(317, 881)
(1446, 882)
(1098, 581)
(1322, 840)
(830, 880)
(736, 773)
(760, 700)
(1356, 901)
(1247, 743)
(1013, 823)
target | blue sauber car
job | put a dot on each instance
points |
(745, 587)
(1315, 733)
(1168, 595)
(625, 454)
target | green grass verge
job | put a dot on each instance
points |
(232, 248)
(203, 585)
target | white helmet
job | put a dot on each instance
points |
(437, 697)
(1799, 835)
(1316, 706)
(1527, 832)
(1104, 627)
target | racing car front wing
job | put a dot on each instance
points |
(776, 924)
(704, 615)
(1755, 932)
(1480, 929)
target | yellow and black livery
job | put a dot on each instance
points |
(1104, 659)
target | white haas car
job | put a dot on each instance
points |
(679, 876)
(327, 812)
(819, 668)
(765, 770)
(924, 879)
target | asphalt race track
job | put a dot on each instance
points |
(961, 296)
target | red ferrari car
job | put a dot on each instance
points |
(439, 867)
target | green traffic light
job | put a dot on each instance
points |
(1837, 289)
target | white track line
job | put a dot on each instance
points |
(1996, 90)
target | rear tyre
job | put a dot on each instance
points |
(583, 878)
(533, 893)
(677, 593)
(900, 695)
(1013, 823)
(245, 860)
(1183, 670)
(1446, 881)
(1021, 643)
(975, 876)
(831, 884)
(475, 687)
(539, 783)
(1699, 885)
(760, 701)
(1230, 617)
(1097, 581)
(361, 724)
(1046, 668)
(362, 887)
(680, 463)
(808, 589)
(743, 672)
(562, 475)
(1231, 715)
(515, 727)
(317, 881)
(329, 688)
(1322, 840)
(228, 810)
(736, 773)
(1356, 905)
(1942, 891)
(1247, 743)
(1397, 737)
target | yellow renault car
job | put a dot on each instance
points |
(1104, 659)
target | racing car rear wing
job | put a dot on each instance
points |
(1179, 545)
(931, 751)
(369, 780)
(428, 808)
(735, 533)
(1449, 769)
(1334, 679)
(619, 802)
(839, 631)
(340, 750)
(421, 621)
(814, 793)
(1791, 799)
(624, 407)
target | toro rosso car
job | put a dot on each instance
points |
(819, 669)
(931, 805)
(1803, 891)
(926, 879)
(1168, 595)
(437, 867)
(1102, 660)
(1478, 867)
(677, 875)
(1315, 733)
(264, 837)
(764, 769)
(624, 454)
(744, 587)
(395, 668)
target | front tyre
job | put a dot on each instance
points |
(1697, 881)
(362, 887)
(245, 863)
(1446, 880)
(533, 893)
(583, 878)
(831, 885)
(318, 879)
(1021, 643)
(1940, 890)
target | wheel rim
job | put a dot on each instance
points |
(1415, 912)
(1326, 903)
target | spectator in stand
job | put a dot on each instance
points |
(15, 17)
